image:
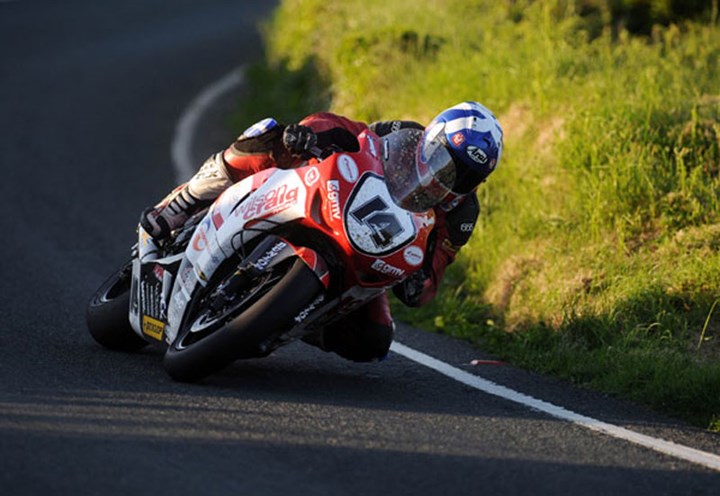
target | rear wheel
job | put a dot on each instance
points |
(261, 309)
(107, 313)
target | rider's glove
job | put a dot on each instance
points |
(299, 140)
(173, 211)
(411, 289)
(154, 223)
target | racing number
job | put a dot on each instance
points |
(384, 225)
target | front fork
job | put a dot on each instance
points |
(270, 252)
(273, 250)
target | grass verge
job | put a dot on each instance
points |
(597, 256)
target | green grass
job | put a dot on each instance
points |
(597, 254)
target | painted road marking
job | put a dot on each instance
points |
(184, 168)
(703, 458)
(181, 147)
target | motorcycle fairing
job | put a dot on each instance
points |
(244, 211)
(149, 295)
(343, 197)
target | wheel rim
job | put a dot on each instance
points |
(208, 321)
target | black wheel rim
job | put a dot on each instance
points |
(207, 321)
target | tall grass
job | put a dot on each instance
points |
(597, 252)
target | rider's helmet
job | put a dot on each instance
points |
(457, 151)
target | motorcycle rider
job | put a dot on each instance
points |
(450, 157)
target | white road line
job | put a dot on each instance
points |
(703, 458)
(181, 147)
(184, 168)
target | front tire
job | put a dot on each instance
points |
(209, 341)
(107, 314)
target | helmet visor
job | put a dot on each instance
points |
(418, 172)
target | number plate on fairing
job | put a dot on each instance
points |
(374, 224)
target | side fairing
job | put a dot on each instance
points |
(241, 213)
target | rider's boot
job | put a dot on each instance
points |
(175, 209)
(364, 335)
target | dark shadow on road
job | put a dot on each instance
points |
(218, 464)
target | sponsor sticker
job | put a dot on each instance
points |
(272, 202)
(386, 268)
(159, 272)
(458, 139)
(348, 168)
(153, 327)
(311, 176)
(413, 255)
(333, 196)
(217, 219)
(299, 318)
(477, 154)
(201, 276)
(200, 241)
(268, 256)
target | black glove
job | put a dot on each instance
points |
(410, 290)
(299, 140)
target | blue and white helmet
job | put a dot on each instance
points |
(472, 136)
(457, 151)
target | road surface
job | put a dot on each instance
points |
(90, 96)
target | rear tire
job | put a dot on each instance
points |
(263, 309)
(107, 314)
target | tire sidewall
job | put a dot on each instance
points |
(108, 319)
(271, 313)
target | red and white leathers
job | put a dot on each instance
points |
(366, 334)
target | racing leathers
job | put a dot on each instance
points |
(366, 333)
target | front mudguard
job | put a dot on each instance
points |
(273, 250)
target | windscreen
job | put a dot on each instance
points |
(419, 172)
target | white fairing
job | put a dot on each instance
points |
(221, 233)
(147, 251)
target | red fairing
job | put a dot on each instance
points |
(315, 263)
(381, 243)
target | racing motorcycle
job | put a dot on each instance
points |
(277, 257)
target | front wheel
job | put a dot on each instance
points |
(212, 339)
(107, 314)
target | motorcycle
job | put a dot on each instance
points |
(277, 257)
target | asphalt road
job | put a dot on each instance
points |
(90, 93)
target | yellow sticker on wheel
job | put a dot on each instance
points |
(153, 327)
